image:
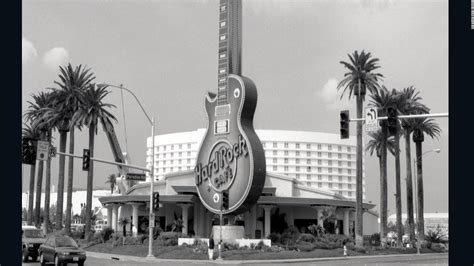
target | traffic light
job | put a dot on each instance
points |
(28, 151)
(392, 120)
(86, 160)
(344, 124)
(156, 200)
(225, 199)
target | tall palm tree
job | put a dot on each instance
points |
(31, 132)
(379, 144)
(420, 127)
(72, 82)
(112, 180)
(91, 110)
(36, 115)
(410, 104)
(358, 81)
(381, 99)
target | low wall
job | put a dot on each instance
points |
(241, 242)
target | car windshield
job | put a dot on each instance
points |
(65, 242)
(33, 233)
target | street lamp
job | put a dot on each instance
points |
(152, 171)
(416, 192)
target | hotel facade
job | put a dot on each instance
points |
(309, 175)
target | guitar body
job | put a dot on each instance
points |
(231, 157)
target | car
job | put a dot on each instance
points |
(31, 240)
(61, 249)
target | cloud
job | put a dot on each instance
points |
(56, 57)
(28, 52)
(331, 97)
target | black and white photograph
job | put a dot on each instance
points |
(193, 132)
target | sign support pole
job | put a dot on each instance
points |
(220, 234)
(151, 224)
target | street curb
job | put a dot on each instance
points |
(142, 259)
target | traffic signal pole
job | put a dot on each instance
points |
(404, 116)
(106, 161)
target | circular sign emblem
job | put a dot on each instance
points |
(215, 198)
(222, 165)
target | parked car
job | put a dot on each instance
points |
(61, 249)
(31, 240)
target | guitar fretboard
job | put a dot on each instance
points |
(230, 43)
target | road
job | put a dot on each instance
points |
(431, 259)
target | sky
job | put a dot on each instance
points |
(165, 52)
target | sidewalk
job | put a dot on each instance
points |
(241, 262)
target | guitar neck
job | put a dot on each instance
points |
(230, 45)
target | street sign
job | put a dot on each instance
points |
(152, 220)
(42, 150)
(135, 176)
(52, 151)
(371, 121)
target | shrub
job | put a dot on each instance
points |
(438, 247)
(230, 246)
(306, 238)
(106, 233)
(275, 237)
(436, 236)
(260, 245)
(130, 240)
(164, 236)
(353, 247)
(170, 242)
(141, 238)
(290, 235)
(316, 230)
(333, 240)
(252, 245)
(305, 246)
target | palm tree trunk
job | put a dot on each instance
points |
(419, 175)
(62, 158)
(359, 192)
(90, 180)
(383, 189)
(39, 185)
(410, 218)
(31, 194)
(398, 190)
(47, 188)
(70, 177)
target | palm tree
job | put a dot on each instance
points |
(381, 99)
(91, 110)
(358, 81)
(112, 180)
(410, 104)
(73, 81)
(36, 115)
(420, 127)
(379, 144)
(31, 132)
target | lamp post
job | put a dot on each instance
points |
(416, 192)
(152, 171)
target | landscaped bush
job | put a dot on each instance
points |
(436, 236)
(290, 235)
(306, 238)
(78, 234)
(336, 240)
(305, 246)
(438, 247)
(353, 247)
(275, 237)
(230, 246)
(170, 238)
(130, 240)
(260, 245)
(106, 234)
(141, 238)
(316, 230)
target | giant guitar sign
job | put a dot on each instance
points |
(231, 157)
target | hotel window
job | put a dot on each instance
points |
(329, 170)
(330, 178)
(308, 177)
(329, 148)
(319, 177)
(274, 168)
(320, 184)
(329, 155)
(308, 184)
(339, 171)
(340, 192)
(308, 146)
(340, 186)
(189, 160)
(157, 148)
(171, 154)
(172, 147)
(164, 155)
(158, 156)
(349, 171)
(330, 185)
(319, 146)
(286, 168)
(320, 162)
(286, 152)
(286, 144)
(274, 152)
(330, 163)
(189, 145)
(319, 169)
(179, 168)
(189, 168)
(297, 161)
(164, 162)
(308, 153)
(297, 153)
(297, 176)
(349, 186)
(297, 168)
(340, 178)
(171, 161)
(339, 163)
(275, 160)
(286, 160)
(320, 154)
(274, 144)
(297, 145)
(339, 156)
(339, 148)
(180, 146)
(179, 161)
(349, 156)
(349, 164)
(164, 148)
(308, 169)
(349, 179)
(348, 149)
(349, 194)
(308, 161)
(263, 144)
(189, 153)
(180, 154)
